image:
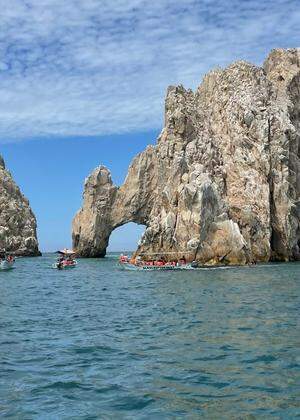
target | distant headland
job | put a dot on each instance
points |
(17, 221)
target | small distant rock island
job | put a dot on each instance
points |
(222, 184)
(17, 221)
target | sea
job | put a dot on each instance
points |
(96, 342)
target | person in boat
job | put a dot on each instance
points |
(123, 258)
(60, 264)
(182, 261)
(138, 261)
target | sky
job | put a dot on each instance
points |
(82, 83)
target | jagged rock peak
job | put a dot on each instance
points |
(2, 163)
(17, 221)
(222, 185)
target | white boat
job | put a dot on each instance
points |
(7, 265)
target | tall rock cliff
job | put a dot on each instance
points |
(17, 221)
(222, 184)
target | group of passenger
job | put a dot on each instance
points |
(65, 260)
(160, 262)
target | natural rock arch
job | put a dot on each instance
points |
(107, 207)
(222, 184)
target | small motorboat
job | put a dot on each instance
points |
(7, 264)
(7, 260)
(66, 260)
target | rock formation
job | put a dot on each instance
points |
(222, 184)
(17, 222)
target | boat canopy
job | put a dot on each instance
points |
(66, 251)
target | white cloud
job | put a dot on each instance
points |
(95, 67)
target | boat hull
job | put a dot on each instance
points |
(57, 266)
(132, 267)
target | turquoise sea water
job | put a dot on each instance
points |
(96, 342)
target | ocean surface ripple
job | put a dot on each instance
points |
(95, 342)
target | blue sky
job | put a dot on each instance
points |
(88, 79)
(51, 173)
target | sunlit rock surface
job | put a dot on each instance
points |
(17, 221)
(222, 184)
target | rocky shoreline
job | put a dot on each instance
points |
(222, 184)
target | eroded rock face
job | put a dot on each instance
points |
(17, 221)
(222, 184)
